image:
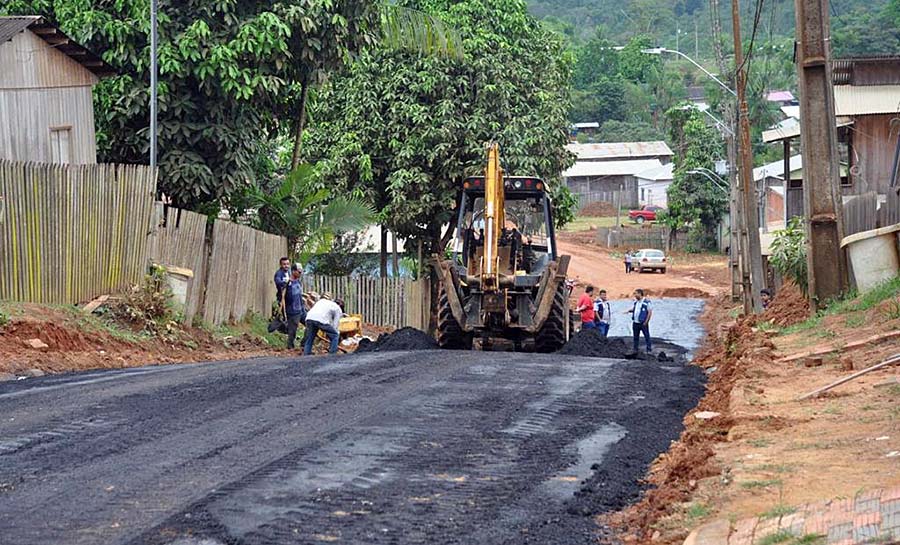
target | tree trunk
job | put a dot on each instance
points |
(395, 259)
(382, 265)
(301, 122)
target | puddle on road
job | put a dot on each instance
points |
(591, 450)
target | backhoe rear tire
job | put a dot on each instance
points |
(552, 335)
(450, 335)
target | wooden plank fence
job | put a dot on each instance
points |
(395, 302)
(178, 238)
(69, 233)
(242, 261)
(859, 213)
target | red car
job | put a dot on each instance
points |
(646, 213)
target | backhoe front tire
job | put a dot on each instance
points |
(552, 335)
(450, 335)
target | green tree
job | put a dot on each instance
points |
(694, 200)
(627, 131)
(233, 76)
(309, 215)
(406, 129)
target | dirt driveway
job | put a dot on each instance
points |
(688, 276)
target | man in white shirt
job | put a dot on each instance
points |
(603, 313)
(325, 316)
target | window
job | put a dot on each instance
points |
(61, 144)
(642, 194)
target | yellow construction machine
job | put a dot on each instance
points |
(505, 279)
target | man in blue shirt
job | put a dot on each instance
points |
(641, 313)
(282, 277)
(294, 307)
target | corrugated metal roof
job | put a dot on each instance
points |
(588, 125)
(10, 26)
(780, 96)
(775, 169)
(620, 150)
(866, 99)
(611, 168)
(657, 174)
(793, 131)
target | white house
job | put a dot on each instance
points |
(653, 185)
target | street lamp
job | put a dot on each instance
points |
(661, 50)
(713, 177)
(721, 124)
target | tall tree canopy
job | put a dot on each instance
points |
(405, 130)
(695, 200)
(232, 77)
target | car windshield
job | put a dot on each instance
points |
(653, 253)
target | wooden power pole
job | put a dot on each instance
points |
(827, 267)
(751, 252)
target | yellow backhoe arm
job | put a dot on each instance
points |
(494, 219)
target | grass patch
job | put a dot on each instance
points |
(584, 223)
(853, 303)
(767, 326)
(779, 510)
(810, 539)
(698, 511)
(766, 483)
(776, 468)
(781, 536)
(833, 409)
(759, 443)
(253, 325)
(855, 320)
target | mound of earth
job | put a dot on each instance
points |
(599, 209)
(789, 307)
(407, 338)
(590, 343)
(690, 293)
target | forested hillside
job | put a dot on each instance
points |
(858, 27)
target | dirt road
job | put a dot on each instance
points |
(592, 264)
(405, 447)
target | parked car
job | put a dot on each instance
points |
(649, 260)
(645, 213)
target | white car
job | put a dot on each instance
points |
(649, 260)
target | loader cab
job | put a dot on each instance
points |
(528, 242)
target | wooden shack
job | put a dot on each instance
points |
(46, 81)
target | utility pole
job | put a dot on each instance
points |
(734, 254)
(750, 247)
(153, 76)
(827, 267)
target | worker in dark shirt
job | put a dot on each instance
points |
(294, 308)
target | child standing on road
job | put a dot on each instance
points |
(641, 313)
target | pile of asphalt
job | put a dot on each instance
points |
(590, 343)
(407, 338)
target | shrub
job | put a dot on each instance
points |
(150, 304)
(789, 253)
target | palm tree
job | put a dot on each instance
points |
(308, 215)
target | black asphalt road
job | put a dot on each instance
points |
(406, 447)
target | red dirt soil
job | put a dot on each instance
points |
(675, 474)
(789, 307)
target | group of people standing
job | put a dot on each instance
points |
(596, 313)
(325, 315)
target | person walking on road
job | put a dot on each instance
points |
(602, 313)
(627, 262)
(641, 313)
(324, 316)
(586, 308)
(294, 308)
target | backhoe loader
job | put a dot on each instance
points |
(504, 279)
